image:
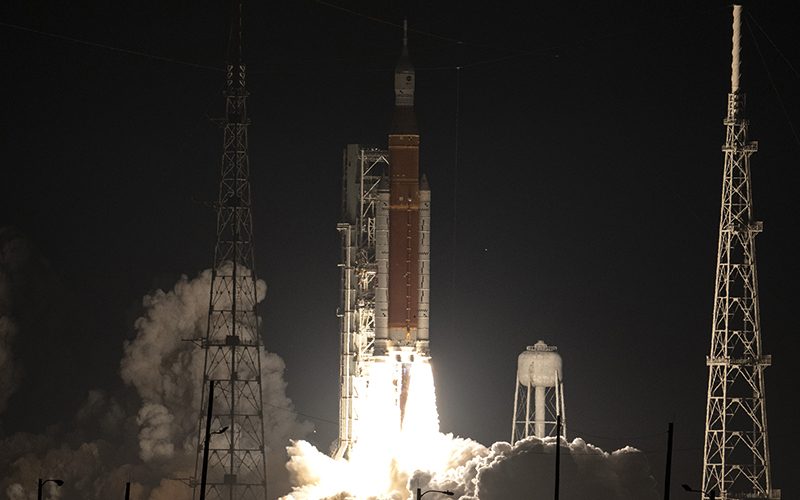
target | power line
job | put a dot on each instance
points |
(110, 47)
(303, 414)
(455, 199)
(788, 63)
(399, 26)
(619, 438)
(772, 81)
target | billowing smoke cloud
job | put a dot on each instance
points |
(167, 371)
(14, 255)
(146, 434)
(501, 472)
(155, 439)
(527, 469)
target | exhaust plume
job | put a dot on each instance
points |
(472, 471)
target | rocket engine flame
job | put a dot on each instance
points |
(390, 461)
(405, 382)
(400, 435)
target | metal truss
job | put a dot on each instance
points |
(233, 348)
(736, 456)
(363, 170)
(524, 419)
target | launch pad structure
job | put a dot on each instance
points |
(364, 168)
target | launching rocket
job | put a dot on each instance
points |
(403, 243)
(384, 357)
(403, 234)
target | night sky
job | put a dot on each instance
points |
(573, 154)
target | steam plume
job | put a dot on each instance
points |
(503, 471)
(146, 433)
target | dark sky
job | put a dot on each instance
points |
(575, 167)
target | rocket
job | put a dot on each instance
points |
(403, 234)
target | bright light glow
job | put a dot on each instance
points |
(398, 434)
(400, 449)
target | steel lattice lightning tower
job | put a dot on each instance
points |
(233, 349)
(736, 463)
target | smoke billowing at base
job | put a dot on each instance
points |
(395, 455)
(146, 433)
(472, 471)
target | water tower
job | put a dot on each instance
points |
(539, 398)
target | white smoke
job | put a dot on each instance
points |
(527, 468)
(503, 471)
(155, 440)
(147, 433)
(166, 370)
(15, 492)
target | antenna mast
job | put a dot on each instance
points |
(736, 457)
(233, 348)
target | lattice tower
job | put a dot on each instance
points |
(736, 462)
(364, 168)
(233, 348)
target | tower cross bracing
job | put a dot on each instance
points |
(736, 452)
(233, 348)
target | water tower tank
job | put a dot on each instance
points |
(539, 397)
(539, 366)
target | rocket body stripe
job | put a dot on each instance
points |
(403, 237)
